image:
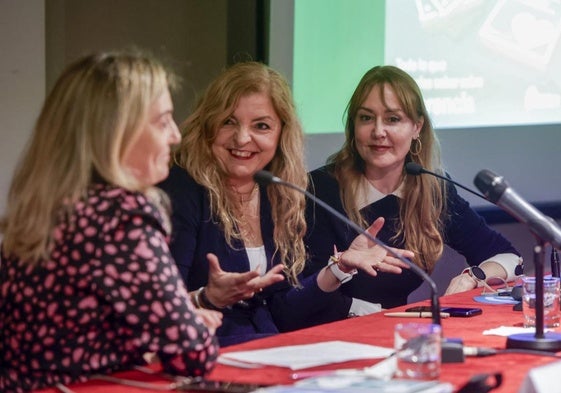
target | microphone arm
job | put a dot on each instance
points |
(265, 178)
(412, 168)
(415, 169)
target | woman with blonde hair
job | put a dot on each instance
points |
(86, 272)
(235, 242)
(387, 125)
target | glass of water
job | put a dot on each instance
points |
(550, 301)
(418, 347)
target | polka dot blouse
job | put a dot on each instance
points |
(109, 293)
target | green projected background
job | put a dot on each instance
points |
(479, 63)
(489, 71)
(335, 44)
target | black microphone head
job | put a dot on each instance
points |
(265, 178)
(413, 168)
(490, 184)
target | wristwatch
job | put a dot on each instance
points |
(333, 265)
(476, 273)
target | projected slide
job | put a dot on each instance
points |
(478, 62)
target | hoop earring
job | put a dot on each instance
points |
(416, 148)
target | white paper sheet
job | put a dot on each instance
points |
(506, 331)
(297, 357)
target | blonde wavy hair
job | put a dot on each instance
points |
(195, 156)
(422, 209)
(94, 112)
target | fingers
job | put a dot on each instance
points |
(246, 277)
(245, 286)
(375, 227)
(403, 253)
(213, 264)
(390, 260)
(151, 358)
(274, 275)
(388, 268)
(231, 287)
(277, 269)
(459, 283)
(212, 319)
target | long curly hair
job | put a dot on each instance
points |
(195, 156)
(422, 209)
(98, 106)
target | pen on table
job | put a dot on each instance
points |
(415, 314)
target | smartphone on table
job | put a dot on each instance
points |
(453, 311)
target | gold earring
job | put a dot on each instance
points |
(416, 148)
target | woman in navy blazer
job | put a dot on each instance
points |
(388, 125)
(239, 247)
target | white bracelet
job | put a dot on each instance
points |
(340, 275)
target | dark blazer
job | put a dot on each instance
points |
(465, 231)
(279, 307)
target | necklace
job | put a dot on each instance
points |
(245, 197)
(247, 217)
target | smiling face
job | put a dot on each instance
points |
(384, 133)
(248, 139)
(148, 157)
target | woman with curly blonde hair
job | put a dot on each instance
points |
(235, 242)
(387, 125)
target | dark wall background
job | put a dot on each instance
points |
(198, 38)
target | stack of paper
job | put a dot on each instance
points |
(297, 357)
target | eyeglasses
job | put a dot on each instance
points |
(495, 286)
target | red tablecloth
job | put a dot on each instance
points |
(378, 330)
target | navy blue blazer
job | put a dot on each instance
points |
(465, 231)
(279, 307)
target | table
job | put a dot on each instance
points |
(376, 329)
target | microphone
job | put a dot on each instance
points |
(412, 168)
(452, 349)
(546, 230)
(498, 191)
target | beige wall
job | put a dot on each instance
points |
(22, 80)
(198, 38)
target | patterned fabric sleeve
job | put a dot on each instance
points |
(137, 277)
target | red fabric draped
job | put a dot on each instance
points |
(377, 329)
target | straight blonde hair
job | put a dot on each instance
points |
(422, 210)
(97, 107)
(195, 156)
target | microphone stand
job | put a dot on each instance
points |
(545, 231)
(435, 302)
(452, 350)
(555, 268)
(541, 229)
(539, 341)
